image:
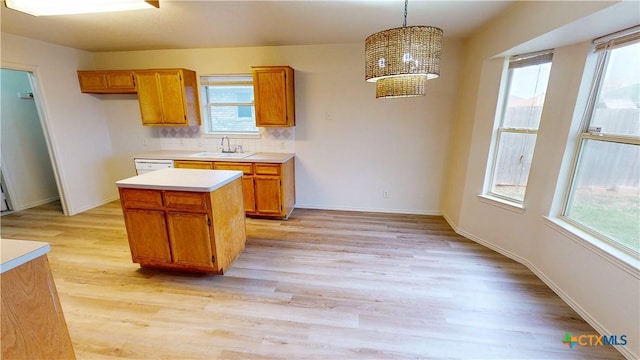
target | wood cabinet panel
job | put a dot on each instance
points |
(190, 164)
(246, 168)
(182, 200)
(148, 240)
(249, 194)
(274, 96)
(190, 239)
(268, 169)
(168, 97)
(149, 98)
(33, 325)
(268, 195)
(140, 198)
(229, 224)
(107, 82)
(173, 98)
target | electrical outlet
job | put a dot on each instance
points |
(385, 194)
(282, 145)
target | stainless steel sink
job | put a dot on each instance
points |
(222, 155)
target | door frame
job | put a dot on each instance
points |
(43, 116)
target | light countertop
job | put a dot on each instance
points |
(195, 180)
(17, 252)
(268, 157)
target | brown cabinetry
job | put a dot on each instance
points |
(194, 231)
(191, 164)
(274, 96)
(33, 325)
(168, 97)
(107, 82)
(268, 188)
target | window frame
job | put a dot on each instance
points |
(514, 62)
(603, 46)
(205, 81)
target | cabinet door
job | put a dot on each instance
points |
(268, 195)
(273, 95)
(173, 99)
(248, 193)
(121, 81)
(190, 239)
(148, 240)
(149, 98)
(107, 82)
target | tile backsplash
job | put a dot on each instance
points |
(192, 138)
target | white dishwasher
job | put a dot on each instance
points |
(148, 165)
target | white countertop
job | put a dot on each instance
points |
(17, 252)
(269, 157)
(195, 180)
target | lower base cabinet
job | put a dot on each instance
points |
(268, 188)
(191, 231)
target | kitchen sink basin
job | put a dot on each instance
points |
(222, 155)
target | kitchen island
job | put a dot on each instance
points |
(184, 219)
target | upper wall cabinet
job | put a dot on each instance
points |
(168, 97)
(274, 95)
(107, 82)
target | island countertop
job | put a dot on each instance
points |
(268, 157)
(195, 180)
(17, 252)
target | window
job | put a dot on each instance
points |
(228, 104)
(604, 197)
(515, 137)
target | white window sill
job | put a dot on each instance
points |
(501, 203)
(620, 258)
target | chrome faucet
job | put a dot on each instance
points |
(228, 145)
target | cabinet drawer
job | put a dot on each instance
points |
(181, 200)
(246, 168)
(267, 169)
(188, 164)
(141, 199)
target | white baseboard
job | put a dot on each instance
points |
(91, 206)
(20, 207)
(374, 210)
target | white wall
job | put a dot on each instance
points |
(79, 135)
(25, 159)
(370, 145)
(603, 289)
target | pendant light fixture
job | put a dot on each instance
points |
(401, 60)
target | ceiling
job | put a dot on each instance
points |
(180, 24)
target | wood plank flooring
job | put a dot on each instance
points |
(322, 285)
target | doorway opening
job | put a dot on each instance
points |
(28, 171)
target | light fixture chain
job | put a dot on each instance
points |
(406, 3)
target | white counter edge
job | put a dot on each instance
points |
(131, 184)
(25, 251)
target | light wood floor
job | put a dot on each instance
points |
(322, 285)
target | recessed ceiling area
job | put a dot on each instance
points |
(209, 24)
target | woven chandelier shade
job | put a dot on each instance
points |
(401, 86)
(403, 51)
